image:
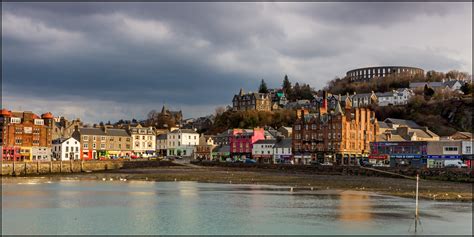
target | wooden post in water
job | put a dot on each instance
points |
(25, 168)
(50, 166)
(416, 203)
(13, 171)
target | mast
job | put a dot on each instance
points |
(416, 203)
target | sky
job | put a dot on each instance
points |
(107, 61)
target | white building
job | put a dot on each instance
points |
(40, 153)
(282, 153)
(262, 151)
(65, 149)
(181, 142)
(143, 140)
(395, 97)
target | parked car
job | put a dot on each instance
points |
(250, 161)
(314, 162)
(365, 163)
(454, 164)
(327, 164)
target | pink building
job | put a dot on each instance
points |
(242, 140)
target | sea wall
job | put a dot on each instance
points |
(10, 168)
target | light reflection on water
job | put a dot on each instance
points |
(142, 207)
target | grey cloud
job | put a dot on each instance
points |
(192, 55)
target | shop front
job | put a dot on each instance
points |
(263, 158)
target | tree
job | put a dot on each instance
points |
(220, 110)
(263, 87)
(428, 92)
(286, 85)
(466, 88)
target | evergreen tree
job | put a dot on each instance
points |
(286, 85)
(428, 92)
(466, 88)
(263, 87)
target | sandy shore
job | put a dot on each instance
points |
(429, 189)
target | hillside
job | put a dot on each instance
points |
(442, 117)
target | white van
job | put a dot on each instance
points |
(454, 164)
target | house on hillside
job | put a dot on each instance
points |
(395, 97)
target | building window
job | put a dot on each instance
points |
(102, 138)
(93, 146)
(102, 146)
(450, 148)
(85, 138)
(86, 146)
(468, 149)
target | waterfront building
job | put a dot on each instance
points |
(438, 152)
(252, 101)
(430, 154)
(25, 136)
(143, 140)
(282, 153)
(161, 145)
(204, 148)
(467, 153)
(262, 151)
(395, 97)
(241, 142)
(335, 135)
(103, 142)
(221, 153)
(401, 153)
(66, 149)
(181, 142)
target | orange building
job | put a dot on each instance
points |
(339, 136)
(25, 135)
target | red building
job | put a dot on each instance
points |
(242, 140)
(25, 135)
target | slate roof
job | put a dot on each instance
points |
(283, 143)
(408, 123)
(184, 131)
(266, 141)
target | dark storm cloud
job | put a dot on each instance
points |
(135, 56)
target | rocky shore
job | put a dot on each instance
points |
(429, 189)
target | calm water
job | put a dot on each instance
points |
(32, 206)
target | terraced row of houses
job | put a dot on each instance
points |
(335, 131)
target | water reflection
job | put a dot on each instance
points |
(98, 207)
(354, 207)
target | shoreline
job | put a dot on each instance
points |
(429, 189)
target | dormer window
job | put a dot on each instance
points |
(15, 120)
(39, 122)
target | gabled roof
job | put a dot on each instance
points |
(283, 143)
(408, 123)
(184, 131)
(161, 136)
(221, 149)
(266, 141)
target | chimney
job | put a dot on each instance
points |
(324, 106)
